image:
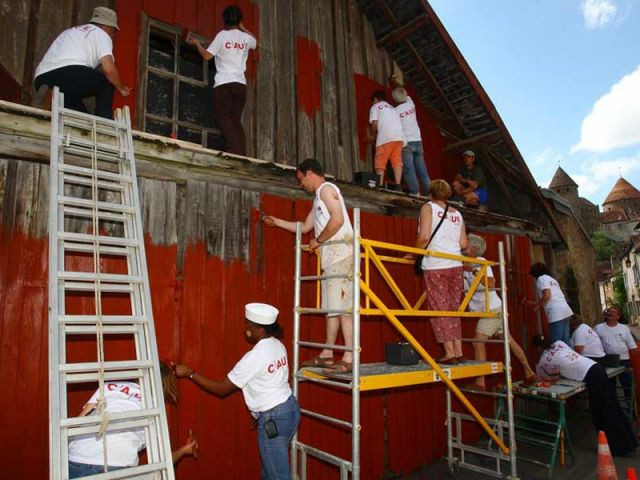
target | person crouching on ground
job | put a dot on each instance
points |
(443, 276)
(263, 375)
(489, 327)
(559, 360)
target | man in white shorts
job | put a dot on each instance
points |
(330, 222)
(488, 327)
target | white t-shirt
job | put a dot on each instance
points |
(446, 239)
(616, 340)
(557, 307)
(389, 125)
(231, 50)
(331, 254)
(585, 336)
(263, 375)
(560, 359)
(122, 446)
(81, 45)
(477, 303)
(409, 121)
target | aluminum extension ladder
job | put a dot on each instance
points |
(95, 214)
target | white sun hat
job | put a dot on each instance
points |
(261, 313)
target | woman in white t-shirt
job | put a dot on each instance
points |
(551, 298)
(263, 375)
(230, 48)
(86, 452)
(559, 360)
(443, 276)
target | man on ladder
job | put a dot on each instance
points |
(330, 221)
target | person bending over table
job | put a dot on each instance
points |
(559, 360)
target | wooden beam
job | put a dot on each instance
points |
(382, 4)
(401, 32)
(461, 145)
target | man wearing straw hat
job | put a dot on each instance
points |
(71, 64)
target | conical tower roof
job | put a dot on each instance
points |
(561, 179)
(622, 190)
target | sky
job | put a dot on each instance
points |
(564, 76)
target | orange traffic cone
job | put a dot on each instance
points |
(631, 474)
(606, 468)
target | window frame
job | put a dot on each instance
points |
(174, 34)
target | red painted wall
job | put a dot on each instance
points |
(199, 316)
(200, 16)
(308, 76)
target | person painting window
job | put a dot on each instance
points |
(443, 276)
(552, 300)
(263, 375)
(470, 184)
(71, 63)
(489, 327)
(86, 452)
(230, 47)
(559, 360)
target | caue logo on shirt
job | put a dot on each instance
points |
(274, 366)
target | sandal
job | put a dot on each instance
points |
(319, 362)
(448, 361)
(339, 367)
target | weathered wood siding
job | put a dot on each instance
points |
(208, 255)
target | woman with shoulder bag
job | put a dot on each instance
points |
(442, 229)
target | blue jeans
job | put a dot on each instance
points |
(414, 169)
(274, 452)
(559, 330)
(77, 470)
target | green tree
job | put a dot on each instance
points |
(620, 294)
(604, 246)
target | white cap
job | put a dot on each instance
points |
(261, 313)
(468, 153)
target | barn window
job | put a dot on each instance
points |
(176, 86)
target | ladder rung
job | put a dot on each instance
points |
(326, 418)
(102, 239)
(67, 113)
(324, 382)
(112, 130)
(323, 277)
(86, 213)
(92, 287)
(104, 277)
(327, 457)
(88, 182)
(105, 319)
(69, 141)
(113, 417)
(89, 172)
(88, 248)
(325, 345)
(120, 375)
(92, 329)
(140, 472)
(106, 366)
(111, 427)
(347, 311)
(85, 202)
(88, 153)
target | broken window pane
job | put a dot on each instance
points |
(191, 63)
(161, 51)
(159, 95)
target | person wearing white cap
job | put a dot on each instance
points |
(72, 59)
(263, 375)
(470, 184)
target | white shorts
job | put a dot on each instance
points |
(337, 293)
(491, 326)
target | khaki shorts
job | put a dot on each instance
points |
(337, 293)
(491, 326)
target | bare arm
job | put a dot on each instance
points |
(190, 448)
(424, 232)
(373, 131)
(546, 296)
(204, 53)
(111, 72)
(330, 198)
(289, 226)
(220, 389)
(86, 409)
(464, 243)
